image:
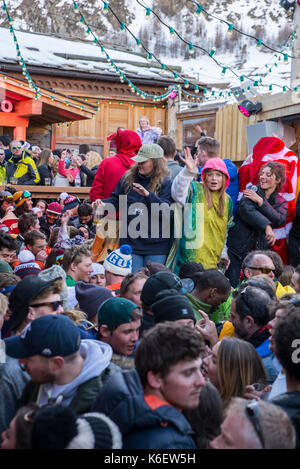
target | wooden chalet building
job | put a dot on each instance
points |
(76, 70)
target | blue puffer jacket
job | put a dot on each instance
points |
(142, 427)
(268, 359)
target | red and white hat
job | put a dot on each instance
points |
(54, 208)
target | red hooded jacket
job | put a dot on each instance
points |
(113, 168)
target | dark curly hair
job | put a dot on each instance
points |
(279, 170)
(165, 345)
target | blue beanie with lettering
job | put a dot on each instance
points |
(119, 262)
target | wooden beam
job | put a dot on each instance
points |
(52, 192)
(10, 119)
(30, 107)
(20, 133)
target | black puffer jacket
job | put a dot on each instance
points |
(249, 229)
(290, 403)
(142, 427)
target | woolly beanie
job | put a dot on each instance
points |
(27, 268)
(60, 428)
(71, 202)
(98, 269)
(119, 262)
(90, 297)
(5, 268)
(169, 305)
(55, 208)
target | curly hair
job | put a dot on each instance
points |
(279, 170)
(165, 345)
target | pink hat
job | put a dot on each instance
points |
(217, 164)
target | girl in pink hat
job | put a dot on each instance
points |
(207, 214)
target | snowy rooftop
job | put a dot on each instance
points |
(50, 51)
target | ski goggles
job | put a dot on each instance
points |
(20, 200)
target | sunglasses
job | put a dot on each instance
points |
(55, 304)
(16, 148)
(264, 270)
(252, 412)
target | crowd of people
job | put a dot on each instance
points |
(161, 312)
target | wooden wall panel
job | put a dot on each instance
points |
(231, 132)
(107, 120)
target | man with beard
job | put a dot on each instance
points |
(21, 166)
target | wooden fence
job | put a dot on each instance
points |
(231, 132)
(52, 192)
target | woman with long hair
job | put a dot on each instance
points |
(88, 168)
(207, 214)
(261, 209)
(233, 365)
(146, 186)
(46, 161)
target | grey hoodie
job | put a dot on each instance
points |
(97, 356)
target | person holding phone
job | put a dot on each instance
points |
(72, 173)
(261, 209)
(45, 167)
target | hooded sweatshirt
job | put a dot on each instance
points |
(97, 356)
(113, 168)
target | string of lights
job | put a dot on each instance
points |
(118, 71)
(25, 72)
(192, 47)
(200, 9)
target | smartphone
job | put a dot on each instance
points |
(75, 152)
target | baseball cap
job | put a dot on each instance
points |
(115, 311)
(164, 281)
(25, 291)
(47, 336)
(148, 151)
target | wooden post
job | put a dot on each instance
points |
(295, 66)
(173, 108)
(20, 133)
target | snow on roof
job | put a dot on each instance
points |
(50, 51)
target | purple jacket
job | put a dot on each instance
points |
(149, 136)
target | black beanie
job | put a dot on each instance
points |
(169, 305)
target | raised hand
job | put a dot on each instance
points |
(189, 161)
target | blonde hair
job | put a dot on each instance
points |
(79, 318)
(238, 365)
(208, 194)
(93, 159)
(159, 172)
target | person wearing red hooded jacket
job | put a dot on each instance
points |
(111, 169)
